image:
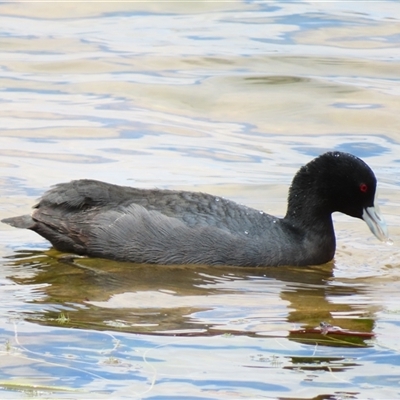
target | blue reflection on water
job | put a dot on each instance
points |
(357, 106)
(348, 144)
(362, 149)
(230, 384)
(105, 362)
(196, 37)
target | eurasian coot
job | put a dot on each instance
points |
(98, 219)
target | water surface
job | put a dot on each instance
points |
(227, 98)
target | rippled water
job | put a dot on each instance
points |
(229, 98)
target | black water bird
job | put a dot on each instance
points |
(98, 219)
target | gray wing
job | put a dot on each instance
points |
(139, 235)
(192, 208)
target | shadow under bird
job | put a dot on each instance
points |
(98, 219)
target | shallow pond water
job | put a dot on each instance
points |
(228, 98)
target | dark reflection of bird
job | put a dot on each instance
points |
(98, 219)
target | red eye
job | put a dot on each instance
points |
(363, 187)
